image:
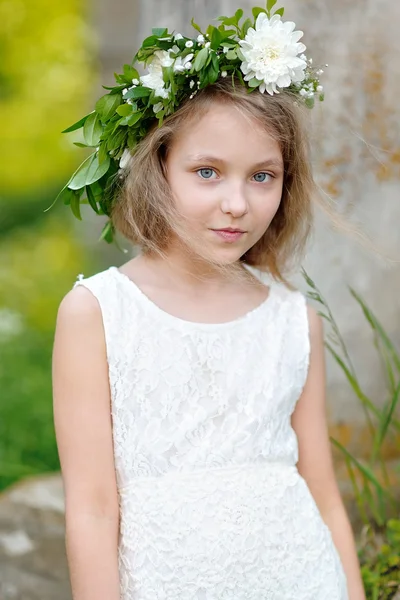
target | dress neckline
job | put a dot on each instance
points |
(245, 318)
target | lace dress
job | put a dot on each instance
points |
(212, 506)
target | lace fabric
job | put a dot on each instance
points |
(212, 504)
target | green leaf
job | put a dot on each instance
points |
(201, 59)
(91, 198)
(78, 179)
(149, 41)
(246, 26)
(168, 74)
(159, 31)
(309, 102)
(212, 74)
(116, 139)
(106, 105)
(65, 195)
(228, 21)
(107, 233)
(139, 92)
(216, 38)
(124, 110)
(195, 26)
(238, 15)
(97, 170)
(77, 125)
(280, 12)
(92, 130)
(271, 4)
(256, 10)
(75, 205)
(240, 54)
(133, 119)
(231, 55)
(80, 145)
(253, 83)
(130, 73)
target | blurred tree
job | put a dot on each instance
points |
(47, 73)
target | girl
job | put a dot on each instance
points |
(189, 382)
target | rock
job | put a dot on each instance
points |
(33, 563)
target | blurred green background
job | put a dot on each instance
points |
(47, 76)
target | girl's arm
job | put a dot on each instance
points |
(82, 419)
(309, 421)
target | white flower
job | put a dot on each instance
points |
(181, 64)
(125, 91)
(125, 158)
(189, 44)
(224, 73)
(178, 36)
(201, 38)
(135, 81)
(154, 78)
(271, 54)
(188, 66)
(157, 107)
(226, 50)
(320, 88)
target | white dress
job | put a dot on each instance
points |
(212, 505)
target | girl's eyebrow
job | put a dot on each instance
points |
(203, 158)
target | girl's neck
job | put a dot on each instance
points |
(187, 271)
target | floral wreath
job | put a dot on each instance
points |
(263, 53)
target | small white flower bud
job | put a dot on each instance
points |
(226, 49)
(189, 44)
(188, 66)
(191, 84)
(201, 38)
(326, 64)
(320, 88)
(224, 73)
(135, 81)
(207, 44)
(125, 91)
(178, 36)
(303, 92)
(310, 61)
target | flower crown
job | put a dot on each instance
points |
(263, 53)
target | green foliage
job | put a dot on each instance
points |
(46, 74)
(379, 554)
(42, 264)
(373, 490)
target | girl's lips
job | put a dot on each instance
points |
(227, 235)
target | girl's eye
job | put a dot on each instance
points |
(206, 173)
(261, 177)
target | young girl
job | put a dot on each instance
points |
(189, 382)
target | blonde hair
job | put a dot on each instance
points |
(144, 211)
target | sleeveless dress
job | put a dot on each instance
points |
(212, 506)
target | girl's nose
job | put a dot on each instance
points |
(234, 200)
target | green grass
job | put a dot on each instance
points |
(27, 439)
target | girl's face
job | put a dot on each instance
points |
(226, 175)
